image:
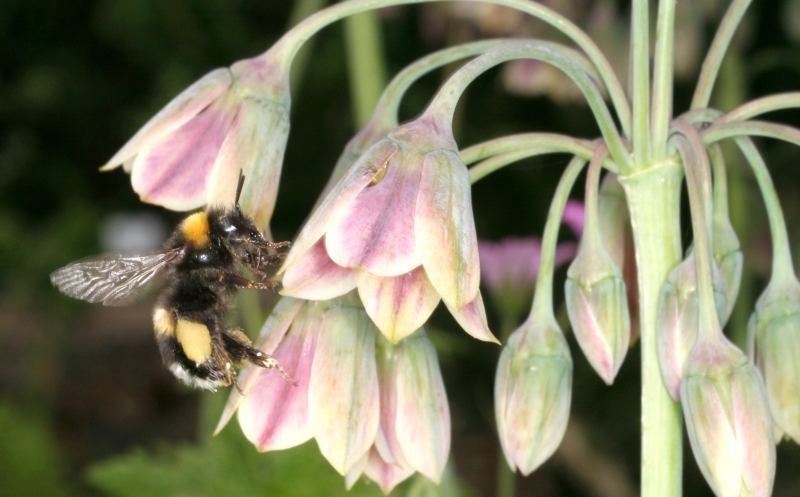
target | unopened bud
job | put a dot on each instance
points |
(598, 309)
(728, 420)
(532, 392)
(678, 314)
(774, 332)
(728, 256)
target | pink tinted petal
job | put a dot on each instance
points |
(502, 388)
(376, 231)
(181, 109)
(314, 276)
(472, 318)
(174, 172)
(386, 475)
(445, 229)
(573, 216)
(270, 336)
(752, 431)
(386, 442)
(254, 145)
(590, 336)
(330, 210)
(274, 413)
(398, 305)
(423, 415)
(355, 472)
(344, 404)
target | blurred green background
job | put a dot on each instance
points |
(86, 407)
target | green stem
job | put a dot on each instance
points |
(782, 266)
(640, 58)
(713, 60)
(654, 203)
(542, 307)
(763, 105)
(703, 165)
(721, 131)
(365, 60)
(662, 78)
(591, 239)
(301, 10)
(287, 47)
(444, 103)
(512, 143)
(709, 321)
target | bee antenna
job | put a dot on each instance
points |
(239, 189)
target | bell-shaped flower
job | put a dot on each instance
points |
(378, 411)
(398, 226)
(598, 309)
(728, 420)
(329, 349)
(774, 335)
(414, 432)
(678, 320)
(532, 394)
(190, 153)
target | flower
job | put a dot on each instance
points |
(398, 226)
(728, 420)
(532, 394)
(678, 315)
(773, 332)
(191, 152)
(374, 408)
(597, 304)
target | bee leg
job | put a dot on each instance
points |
(236, 281)
(240, 351)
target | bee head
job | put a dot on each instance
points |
(239, 228)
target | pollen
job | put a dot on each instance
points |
(194, 339)
(197, 230)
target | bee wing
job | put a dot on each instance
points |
(114, 279)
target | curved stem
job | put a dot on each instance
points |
(709, 321)
(721, 131)
(543, 295)
(702, 163)
(720, 182)
(511, 143)
(763, 105)
(662, 78)
(640, 58)
(287, 47)
(782, 266)
(591, 227)
(713, 60)
(492, 164)
(444, 103)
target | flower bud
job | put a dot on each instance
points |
(598, 309)
(532, 393)
(728, 256)
(678, 314)
(728, 421)
(774, 332)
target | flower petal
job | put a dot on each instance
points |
(753, 432)
(314, 276)
(423, 416)
(341, 196)
(174, 171)
(445, 229)
(255, 145)
(386, 475)
(274, 413)
(472, 318)
(376, 231)
(270, 336)
(343, 392)
(181, 109)
(398, 305)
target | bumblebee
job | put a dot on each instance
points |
(200, 264)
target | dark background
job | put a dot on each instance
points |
(80, 385)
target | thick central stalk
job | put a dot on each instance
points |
(654, 202)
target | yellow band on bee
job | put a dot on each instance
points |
(163, 322)
(194, 339)
(196, 230)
